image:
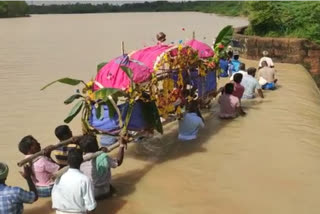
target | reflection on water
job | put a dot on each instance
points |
(265, 162)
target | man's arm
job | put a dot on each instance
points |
(260, 93)
(27, 175)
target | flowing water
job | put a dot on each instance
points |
(265, 162)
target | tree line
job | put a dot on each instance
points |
(225, 8)
(13, 9)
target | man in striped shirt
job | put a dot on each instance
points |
(63, 132)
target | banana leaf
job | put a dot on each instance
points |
(65, 80)
(74, 111)
(99, 112)
(225, 36)
(105, 92)
(101, 65)
(72, 98)
(151, 115)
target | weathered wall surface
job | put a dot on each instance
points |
(288, 50)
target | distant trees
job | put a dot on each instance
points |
(225, 8)
(13, 9)
(291, 19)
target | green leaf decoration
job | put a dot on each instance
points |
(105, 92)
(101, 65)
(100, 112)
(225, 36)
(128, 71)
(72, 98)
(112, 110)
(74, 111)
(151, 116)
(65, 80)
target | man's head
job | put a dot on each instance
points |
(242, 66)
(75, 158)
(161, 37)
(193, 106)
(89, 144)
(237, 77)
(4, 170)
(228, 88)
(252, 71)
(29, 145)
(63, 132)
(236, 55)
(265, 53)
(264, 64)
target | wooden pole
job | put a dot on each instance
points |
(34, 156)
(94, 155)
(193, 35)
(122, 47)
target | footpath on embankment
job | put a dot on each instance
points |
(266, 162)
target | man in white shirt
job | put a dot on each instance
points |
(251, 84)
(267, 59)
(73, 191)
(242, 70)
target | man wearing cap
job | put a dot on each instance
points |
(13, 198)
(267, 59)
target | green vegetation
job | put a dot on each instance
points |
(13, 9)
(284, 19)
(232, 8)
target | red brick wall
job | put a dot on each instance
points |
(288, 50)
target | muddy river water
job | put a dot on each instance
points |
(265, 162)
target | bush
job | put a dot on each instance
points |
(291, 19)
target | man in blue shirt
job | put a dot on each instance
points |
(190, 124)
(13, 198)
(235, 62)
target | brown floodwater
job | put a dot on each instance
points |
(265, 162)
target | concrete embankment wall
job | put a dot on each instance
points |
(287, 50)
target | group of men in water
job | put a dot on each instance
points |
(86, 180)
(243, 85)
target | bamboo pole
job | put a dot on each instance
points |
(34, 156)
(122, 47)
(94, 155)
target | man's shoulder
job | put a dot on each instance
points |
(11, 189)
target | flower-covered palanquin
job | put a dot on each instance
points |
(134, 91)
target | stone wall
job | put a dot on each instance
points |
(288, 50)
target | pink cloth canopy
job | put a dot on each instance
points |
(149, 55)
(112, 76)
(204, 50)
